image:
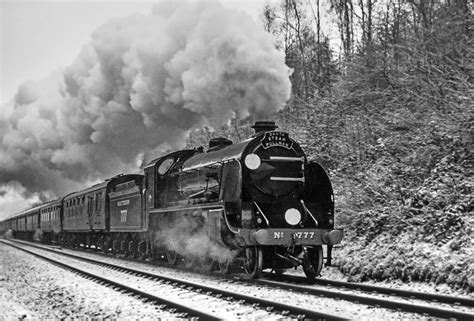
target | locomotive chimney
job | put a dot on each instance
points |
(264, 126)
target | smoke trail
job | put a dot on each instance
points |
(14, 198)
(141, 84)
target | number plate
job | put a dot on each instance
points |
(295, 235)
(303, 235)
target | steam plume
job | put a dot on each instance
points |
(188, 236)
(141, 84)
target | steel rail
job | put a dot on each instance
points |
(114, 284)
(298, 312)
(441, 298)
(380, 302)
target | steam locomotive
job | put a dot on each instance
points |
(257, 204)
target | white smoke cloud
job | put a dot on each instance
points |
(188, 235)
(14, 198)
(143, 81)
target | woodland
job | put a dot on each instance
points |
(387, 108)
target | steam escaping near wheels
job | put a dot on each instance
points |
(139, 86)
(188, 237)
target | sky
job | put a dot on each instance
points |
(39, 37)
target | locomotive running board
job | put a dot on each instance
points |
(186, 208)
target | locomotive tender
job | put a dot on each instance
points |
(255, 204)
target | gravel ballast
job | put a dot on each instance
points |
(31, 288)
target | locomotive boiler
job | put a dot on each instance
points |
(260, 199)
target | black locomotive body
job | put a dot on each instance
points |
(259, 198)
(252, 205)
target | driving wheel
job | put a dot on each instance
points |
(253, 262)
(313, 261)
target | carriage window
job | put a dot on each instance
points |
(100, 201)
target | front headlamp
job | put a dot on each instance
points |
(252, 161)
(292, 216)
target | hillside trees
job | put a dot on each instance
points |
(407, 94)
(296, 26)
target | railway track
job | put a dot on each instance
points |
(438, 298)
(439, 306)
(426, 303)
(193, 300)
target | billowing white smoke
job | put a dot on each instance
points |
(188, 236)
(141, 84)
